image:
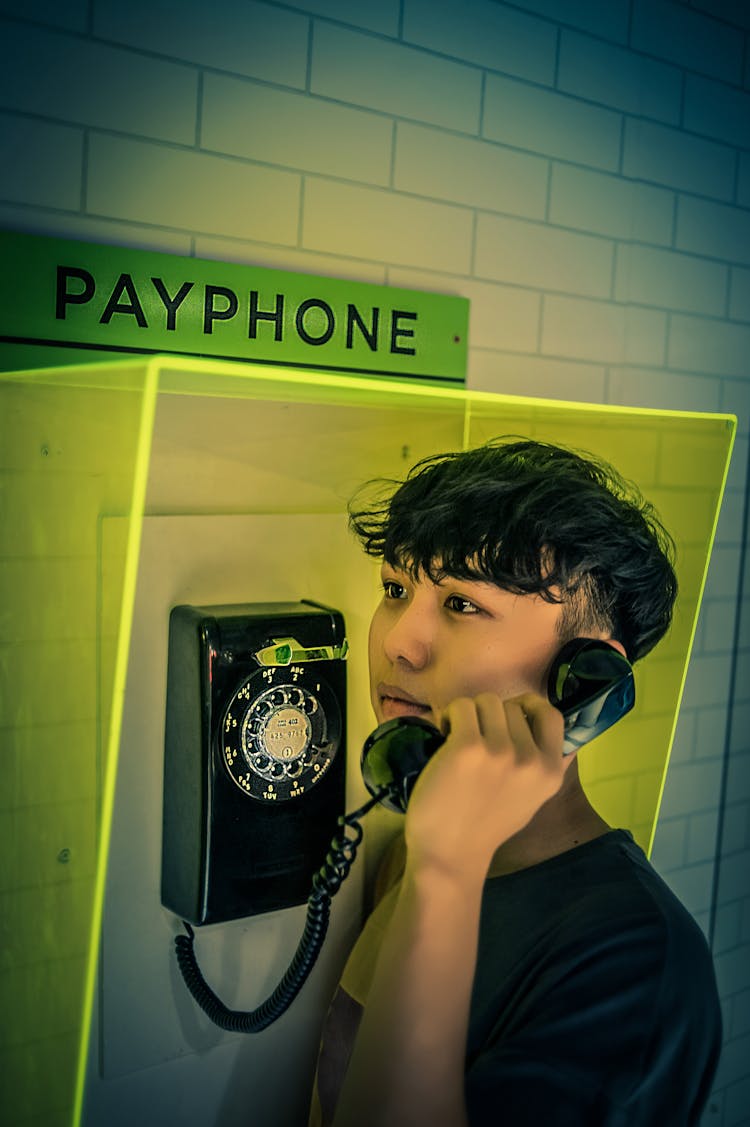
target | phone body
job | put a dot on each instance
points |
(254, 757)
(590, 682)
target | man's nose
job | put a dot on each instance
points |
(410, 637)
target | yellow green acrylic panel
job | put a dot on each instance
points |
(167, 436)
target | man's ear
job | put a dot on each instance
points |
(603, 637)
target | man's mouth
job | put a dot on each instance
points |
(397, 702)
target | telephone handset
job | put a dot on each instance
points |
(590, 682)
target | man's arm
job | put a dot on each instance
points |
(500, 763)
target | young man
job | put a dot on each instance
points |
(529, 966)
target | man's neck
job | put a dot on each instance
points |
(564, 822)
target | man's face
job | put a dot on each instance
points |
(433, 642)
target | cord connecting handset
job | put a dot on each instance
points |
(590, 682)
(325, 885)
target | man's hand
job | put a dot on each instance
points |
(501, 762)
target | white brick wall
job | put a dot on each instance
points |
(607, 204)
(691, 40)
(254, 39)
(251, 120)
(617, 77)
(663, 279)
(580, 171)
(494, 36)
(544, 121)
(743, 186)
(716, 230)
(541, 256)
(664, 155)
(603, 331)
(183, 188)
(42, 163)
(610, 21)
(76, 80)
(479, 173)
(399, 80)
(717, 110)
(704, 345)
(386, 226)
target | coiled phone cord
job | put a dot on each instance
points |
(325, 885)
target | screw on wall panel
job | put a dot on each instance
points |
(405, 452)
(44, 451)
(63, 856)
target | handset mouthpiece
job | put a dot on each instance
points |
(394, 755)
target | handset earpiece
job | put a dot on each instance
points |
(592, 684)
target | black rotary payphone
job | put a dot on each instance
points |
(255, 759)
(255, 763)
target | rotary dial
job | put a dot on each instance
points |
(280, 742)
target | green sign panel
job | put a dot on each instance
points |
(74, 297)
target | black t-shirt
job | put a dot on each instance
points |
(594, 1000)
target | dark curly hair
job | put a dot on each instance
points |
(530, 517)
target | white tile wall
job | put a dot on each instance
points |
(663, 279)
(255, 39)
(79, 81)
(603, 331)
(717, 230)
(494, 36)
(42, 162)
(383, 17)
(691, 40)
(400, 80)
(547, 122)
(700, 344)
(387, 226)
(73, 15)
(181, 188)
(664, 155)
(581, 172)
(717, 110)
(615, 76)
(610, 21)
(743, 186)
(466, 170)
(739, 294)
(294, 130)
(606, 204)
(542, 257)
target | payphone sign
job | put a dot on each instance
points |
(82, 296)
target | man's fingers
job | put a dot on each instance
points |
(527, 724)
(503, 725)
(460, 720)
(544, 721)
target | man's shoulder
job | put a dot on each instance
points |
(606, 891)
(558, 939)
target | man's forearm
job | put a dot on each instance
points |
(407, 1067)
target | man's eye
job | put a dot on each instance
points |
(393, 590)
(461, 605)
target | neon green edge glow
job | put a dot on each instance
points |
(130, 577)
(681, 690)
